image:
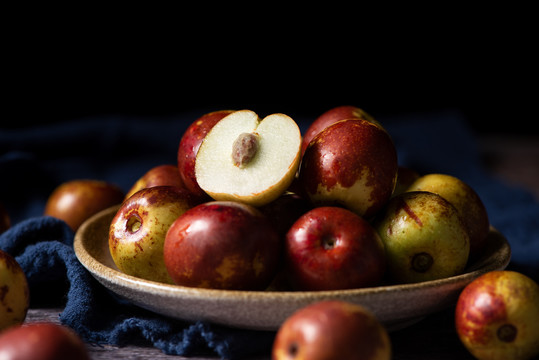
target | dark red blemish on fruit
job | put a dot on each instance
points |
(139, 246)
(404, 206)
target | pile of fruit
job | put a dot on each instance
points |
(255, 205)
(262, 207)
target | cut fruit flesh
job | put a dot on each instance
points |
(269, 171)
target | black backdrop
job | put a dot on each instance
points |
(492, 100)
(480, 62)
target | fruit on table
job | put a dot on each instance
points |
(331, 248)
(352, 163)
(160, 175)
(222, 245)
(332, 330)
(330, 117)
(467, 202)
(14, 293)
(246, 159)
(497, 316)
(137, 231)
(189, 145)
(423, 236)
(5, 220)
(42, 341)
(76, 200)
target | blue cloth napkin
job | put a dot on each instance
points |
(120, 149)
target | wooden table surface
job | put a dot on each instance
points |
(512, 159)
(415, 343)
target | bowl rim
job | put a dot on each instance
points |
(97, 267)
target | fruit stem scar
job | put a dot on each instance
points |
(244, 149)
(422, 262)
(507, 333)
(133, 224)
(328, 242)
(293, 349)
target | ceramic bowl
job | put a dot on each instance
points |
(396, 306)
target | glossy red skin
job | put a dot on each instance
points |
(77, 200)
(161, 175)
(357, 260)
(329, 118)
(189, 145)
(340, 153)
(331, 330)
(42, 341)
(205, 237)
(5, 220)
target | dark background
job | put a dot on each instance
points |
(480, 63)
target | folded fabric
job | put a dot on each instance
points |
(120, 149)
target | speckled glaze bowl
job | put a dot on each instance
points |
(396, 306)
